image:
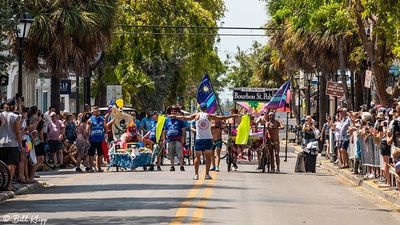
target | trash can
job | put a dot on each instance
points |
(310, 161)
(300, 168)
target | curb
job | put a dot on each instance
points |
(367, 185)
(25, 189)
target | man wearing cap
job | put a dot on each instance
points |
(10, 139)
(174, 133)
(203, 136)
(344, 137)
(273, 126)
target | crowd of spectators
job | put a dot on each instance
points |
(366, 141)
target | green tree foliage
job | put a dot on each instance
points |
(155, 68)
(67, 35)
(329, 33)
(8, 11)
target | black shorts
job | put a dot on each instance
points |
(344, 144)
(39, 149)
(385, 149)
(54, 146)
(9, 155)
(95, 147)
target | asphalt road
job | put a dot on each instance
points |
(243, 197)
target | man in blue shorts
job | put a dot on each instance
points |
(203, 136)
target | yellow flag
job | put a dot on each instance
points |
(160, 126)
(243, 131)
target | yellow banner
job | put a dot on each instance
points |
(243, 131)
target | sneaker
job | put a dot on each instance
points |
(208, 177)
(336, 162)
(277, 171)
(196, 177)
(151, 168)
(382, 180)
(78, 170)
(371, 176)
(100, 170)
(212, 168)
(182, 168)
(366, 176)
(172, 168)
(217, 169)
(88, 169)
(158, 168)
(235, 168)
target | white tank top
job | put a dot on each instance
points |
(203, 127)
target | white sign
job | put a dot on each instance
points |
(368, 79)
(114, 92)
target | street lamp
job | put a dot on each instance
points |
(308, 77)
(22, 32)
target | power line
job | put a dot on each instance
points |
(193, 34)
(198, 27)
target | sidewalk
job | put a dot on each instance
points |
(371, 186)
(22, 189)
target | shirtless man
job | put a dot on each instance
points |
(273, 127)
(216, 130)
(260, 122)
(203, 136)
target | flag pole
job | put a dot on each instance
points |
(212, 88)
(287, 127)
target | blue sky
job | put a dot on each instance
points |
(240, 13)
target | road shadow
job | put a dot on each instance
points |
(103, 204)
(131, 220)
(68, 189)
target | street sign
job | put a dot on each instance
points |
(368, 78)
(253, 94)
(114, 92)
(335, 89)
(65, 87)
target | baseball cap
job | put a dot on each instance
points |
(53, 114)
(203, 105)
(10, 101)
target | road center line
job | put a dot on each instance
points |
(199, 210)
(182, 211)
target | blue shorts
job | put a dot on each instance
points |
(203, 144)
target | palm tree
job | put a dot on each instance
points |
(67, 35)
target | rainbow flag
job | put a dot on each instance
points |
(281, 99)
(205, 93)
